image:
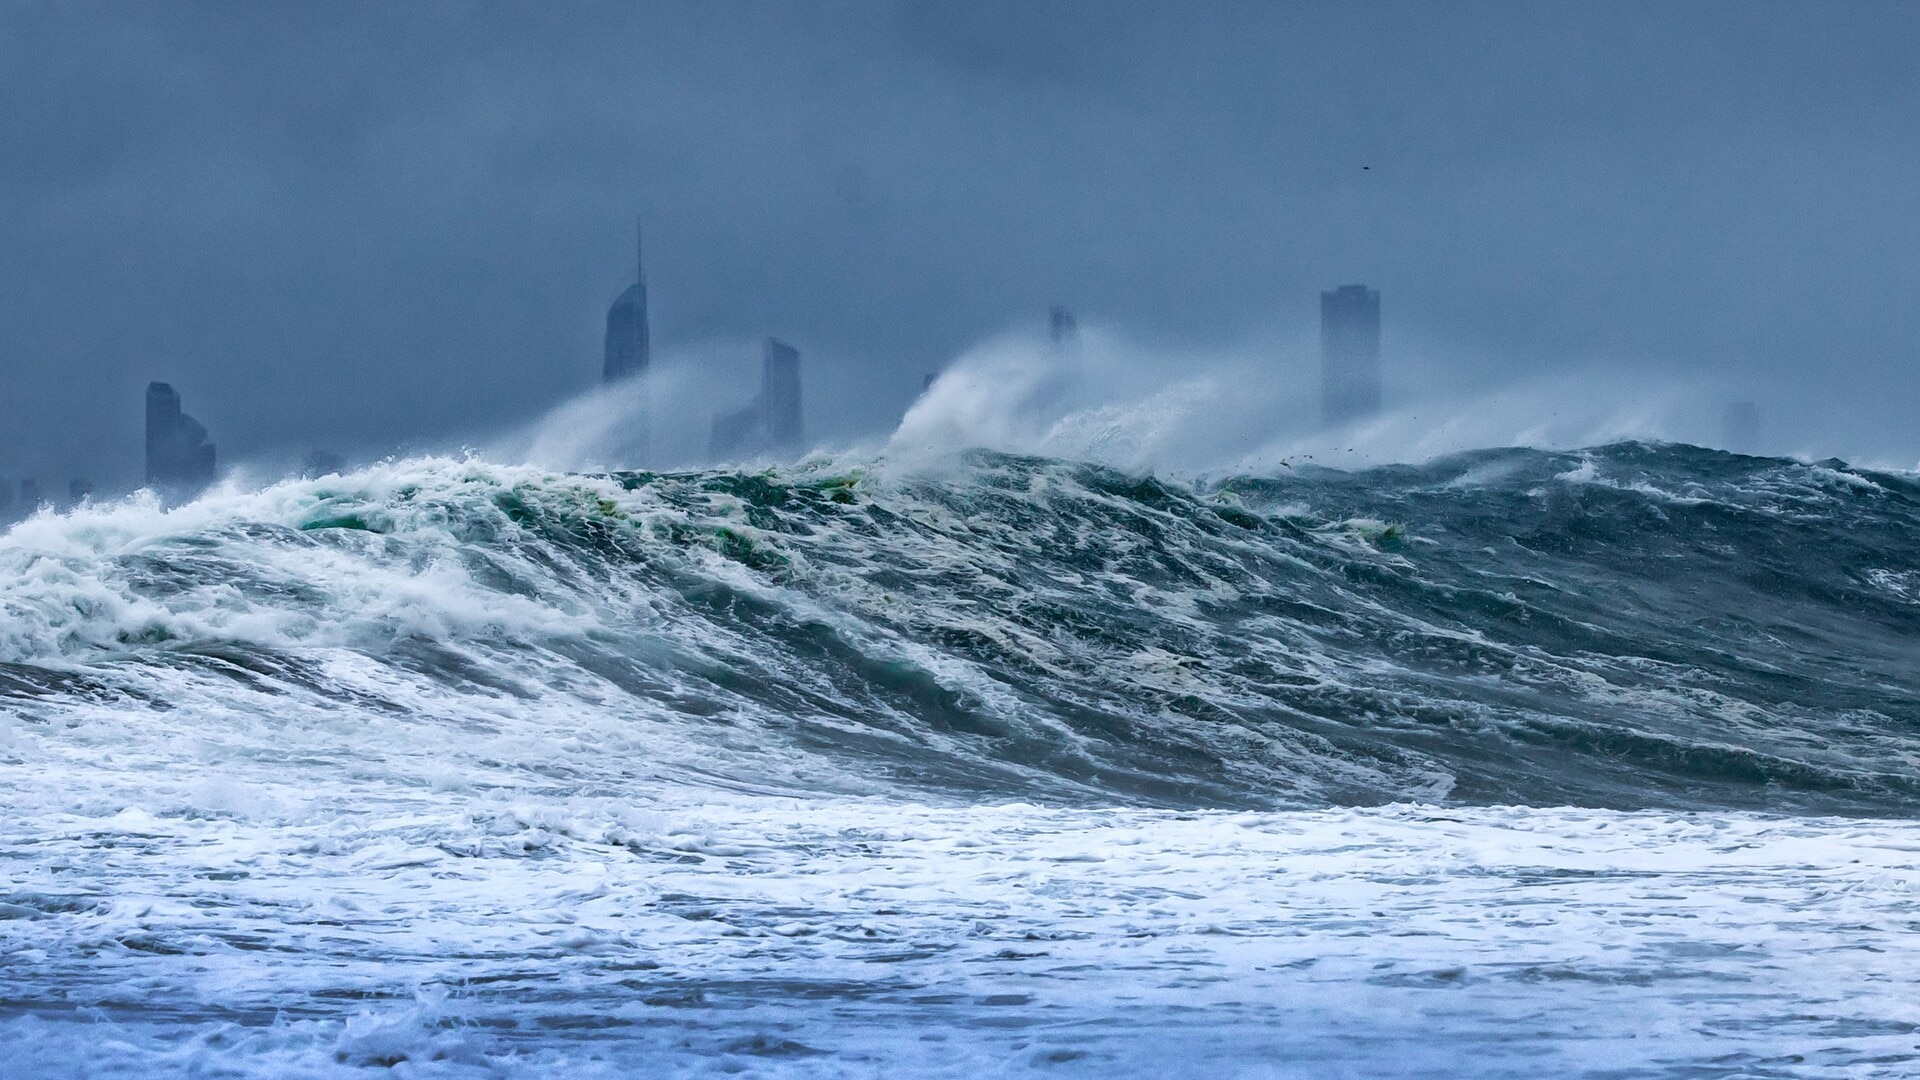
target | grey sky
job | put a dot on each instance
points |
(363, 226)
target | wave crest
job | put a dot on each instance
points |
(1630, 625)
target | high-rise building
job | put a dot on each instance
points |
(180, 460)
(629, 346)
(735, 433)
(322, 463)
(780, 393)
(1349, 353)
(79, 490)
(1062, 329)
(1743, 427)
(771, 421)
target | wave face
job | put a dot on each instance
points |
(1016, 767)
(1630, 626)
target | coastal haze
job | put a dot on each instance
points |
(378, 228)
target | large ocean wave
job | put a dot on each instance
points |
(1636, 625)
(1516, 763)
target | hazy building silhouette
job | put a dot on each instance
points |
(780, 391)
(79, 490)
(1062, 329)
(735, 433)
(629, 341)
(322, 463)
(6, 500)
(1349, 353)
(180, 460)
(772, 420)
(1743, 427)
(30, 498)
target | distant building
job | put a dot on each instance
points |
(1743, 427)
(1062, 329)
(6, 500)
(79, 490)
(771, 421)
(780, 394)
(322, 463)
(735, 433)
(30, 498)
(629, 344)
(180, 460)
(1349, 353)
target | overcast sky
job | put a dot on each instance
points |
(369, 226)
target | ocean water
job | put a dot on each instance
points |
(1518, 763)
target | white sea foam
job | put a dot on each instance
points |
(520, 933)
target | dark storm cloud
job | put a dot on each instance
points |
(360, 225)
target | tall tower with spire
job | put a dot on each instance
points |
(629, 347)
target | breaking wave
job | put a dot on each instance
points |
(1636, 625)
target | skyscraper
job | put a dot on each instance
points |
(1743, 427)
(1062, 329)
(1349, 353)
(780, 393)
(771, 421)
(180, 460)
(735, 433)
(629, 345)
(322, 463)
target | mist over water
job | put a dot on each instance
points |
(1255, 407)
(1108, 398)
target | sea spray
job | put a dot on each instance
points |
(1634, 625)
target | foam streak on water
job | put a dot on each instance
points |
(854, 938)
(1512, 765)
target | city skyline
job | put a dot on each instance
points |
(401, 218)
(180, 459)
